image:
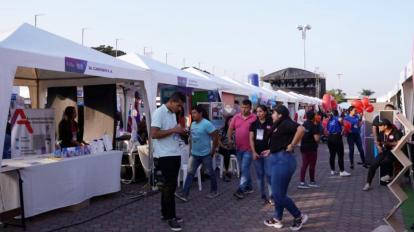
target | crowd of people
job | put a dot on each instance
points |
(267, 139)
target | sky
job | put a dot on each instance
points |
(368, 42)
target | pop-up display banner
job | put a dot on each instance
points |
(33, 132)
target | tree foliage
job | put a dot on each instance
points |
(109, 50)
(366, 92)
(338, 94)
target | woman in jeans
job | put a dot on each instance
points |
(286, 134)
(259, 142)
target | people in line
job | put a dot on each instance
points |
(165, 132)
(260, 131)
(225, 148)
(241, 123)
(354, 137)
(286, 134)
(387, 139)
(203, 132)
(69, 133)
(335, 144)
(309, 150)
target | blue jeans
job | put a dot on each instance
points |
(263, 174)
(355, 139)
(283, 167)
(194, 162)
(244, 159)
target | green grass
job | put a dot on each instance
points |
(408, 208)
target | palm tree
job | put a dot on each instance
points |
(366, 92)
(338, 94)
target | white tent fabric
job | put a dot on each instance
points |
(33, 48)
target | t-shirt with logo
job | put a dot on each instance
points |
(334, 127)
(262, 132)
(393, 136)
(308, 143)
(354, 120)
(200, 137)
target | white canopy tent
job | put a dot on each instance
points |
(37, 58)
(166, 74)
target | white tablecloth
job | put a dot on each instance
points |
(50, 184)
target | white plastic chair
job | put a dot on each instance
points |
(220, 159)
(185, 153)
(234, 165)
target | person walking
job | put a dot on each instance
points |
(336, 144)
(165, 132)
(388, 138)
(354, 137)
(260, 131)
(309, 150)
(241, 125)
(286, 134)
(202, 132)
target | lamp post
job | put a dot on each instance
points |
(83, 34)
(116, 47)
(339, 79)
(303, 29)
(35, 16)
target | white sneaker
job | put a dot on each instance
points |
(386, 178)
(303, 185)
(272, 222)
(366, 187)
(344, 174)
(333, 173)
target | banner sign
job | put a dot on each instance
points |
(33, 132)
(182, 81)
(75, 65)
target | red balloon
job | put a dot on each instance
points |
(359, 110)
(365, 102)
(326, 102)
(357, 104)
(347, 126)
(370, 108)
(334, 105)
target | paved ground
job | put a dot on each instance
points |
(338, 206)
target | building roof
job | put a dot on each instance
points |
(290, 73)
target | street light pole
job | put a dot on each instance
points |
(37, 15)
(116, 47)
(303, 29)
(83, 34)
(339, 79)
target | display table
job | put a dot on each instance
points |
(50, 184)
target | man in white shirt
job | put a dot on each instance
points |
(165, 132)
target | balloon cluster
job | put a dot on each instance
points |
(363, 105)
(329, 103)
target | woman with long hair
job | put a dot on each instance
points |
(286, 134)
(69, 133)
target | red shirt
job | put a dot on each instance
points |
(242, 127)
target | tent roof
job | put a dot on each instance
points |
(290, 73)
(153, 65)
(29, 39)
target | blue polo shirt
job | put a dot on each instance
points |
(200, 137)
(354, 120)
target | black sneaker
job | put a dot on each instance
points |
(178, 219)
(238, 194)
(181, 196)
(299, 222)
(365, 165)
(352, 166)
(174, 225)
(248, 191)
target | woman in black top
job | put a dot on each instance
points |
(69, 130)
(286, 134)
(387, 139)
(260, 131)
(225, 148)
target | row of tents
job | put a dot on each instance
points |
(38, 59)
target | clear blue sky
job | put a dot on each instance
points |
(368, 41)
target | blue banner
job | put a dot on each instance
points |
(75, 65)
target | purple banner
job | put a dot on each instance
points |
(75, 65)
(182, 81)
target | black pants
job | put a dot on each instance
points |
(336, 147)
(226, 154)
(384, 160)
(169, 166)
(355, 139)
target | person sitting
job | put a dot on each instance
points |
(387, 139)
(69, 134)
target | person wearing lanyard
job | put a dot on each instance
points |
(354, 138)
(259, 141)
(309, 149)
(335, 144)
(387, 139)
(286, 134)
